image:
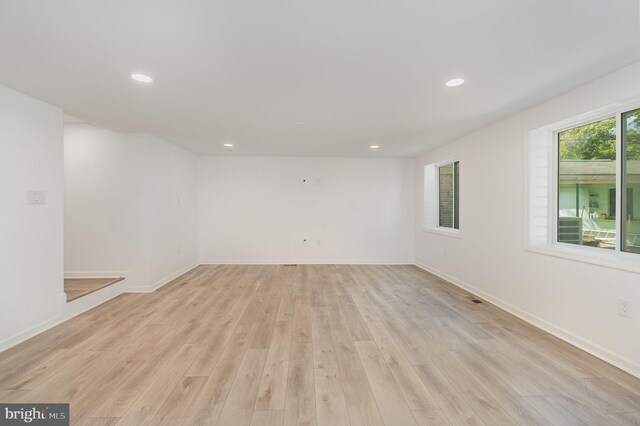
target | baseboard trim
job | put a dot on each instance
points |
(163, 281)
(614, 359)
(72, 309)
(89, 301)
(66, 311)
(95, 274)
(28, 334)
(305, 262)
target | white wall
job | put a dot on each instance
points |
(170, 209)
(30, 235)
(574, 300)
(257, 210)
(130, 206)
(103, 205)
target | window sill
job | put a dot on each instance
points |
(610, 259)
(447, 232)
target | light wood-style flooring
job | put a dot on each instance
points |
(78, 287)
(324, 344)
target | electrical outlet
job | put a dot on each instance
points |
(625, 308)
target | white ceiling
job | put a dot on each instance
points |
(296, 77)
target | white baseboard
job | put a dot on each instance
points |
(28, 334)
(78, 306)
(612, 358)
(91, 300)
(304, 262)
(95, 274)
(66, 311)
(163, 281)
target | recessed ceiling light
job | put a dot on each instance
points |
(374, 146)
(455, 82)
(228, 145)
(142, 78)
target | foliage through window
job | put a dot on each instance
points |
(588, 192)
(631, 182)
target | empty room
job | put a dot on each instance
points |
(228, 212)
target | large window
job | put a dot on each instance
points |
(599, 184)
(630, 217)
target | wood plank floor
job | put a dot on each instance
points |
(78, 287)
(322, 344)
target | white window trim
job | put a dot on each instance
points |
(434, 198)
(546, 137)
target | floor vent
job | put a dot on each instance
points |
(289, 264)
(476, 301)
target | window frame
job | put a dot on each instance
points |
(555, 175)
(546, 138)
(456, 206)
(432, 198)
(624, 198)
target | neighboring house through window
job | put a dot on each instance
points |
(584, 185)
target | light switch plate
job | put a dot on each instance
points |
(35, 197)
